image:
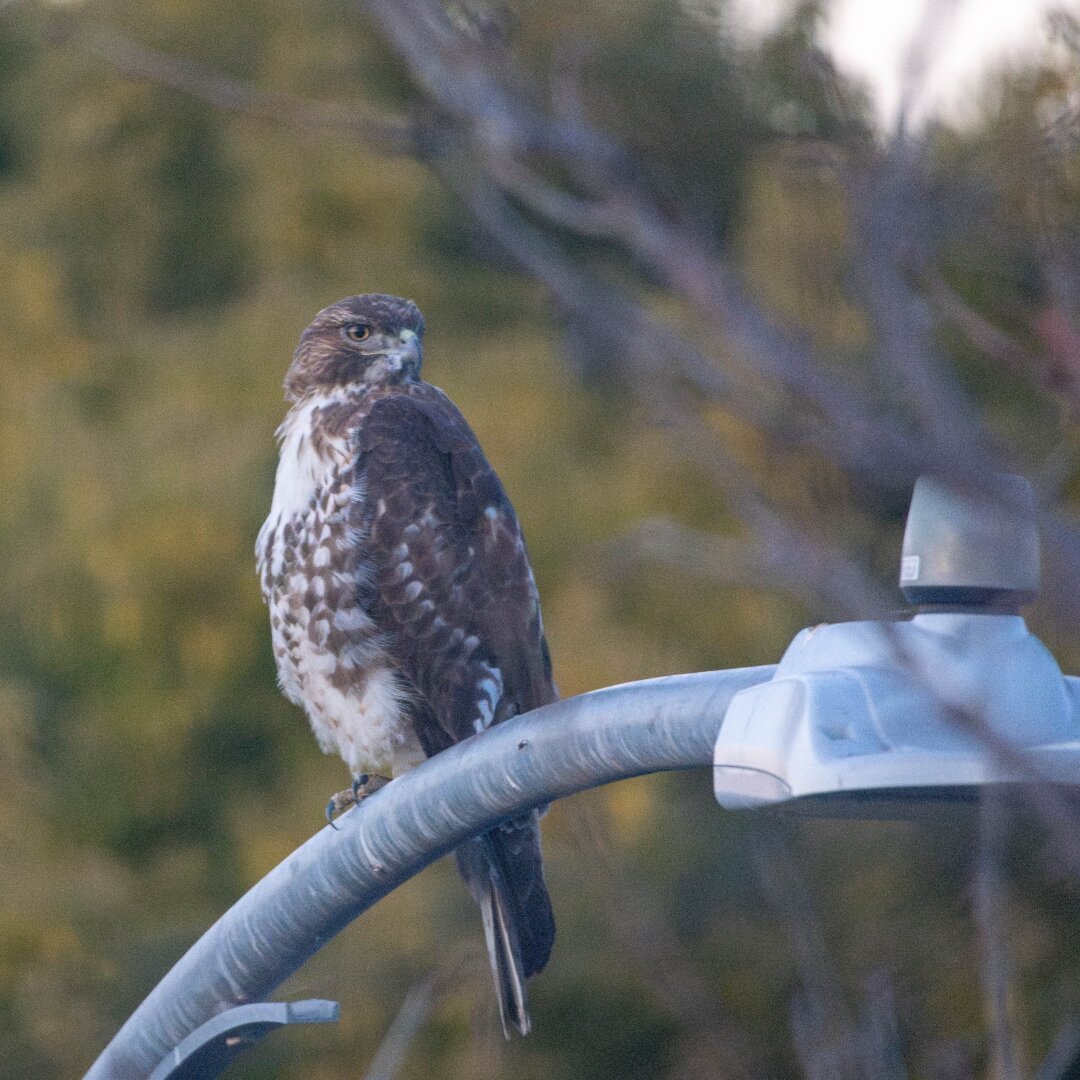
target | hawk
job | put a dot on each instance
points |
(403, 609)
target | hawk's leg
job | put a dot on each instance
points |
(362, 786)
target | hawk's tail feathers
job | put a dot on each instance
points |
(504, 951)
(504, 872)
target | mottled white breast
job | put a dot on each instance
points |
(310, 561)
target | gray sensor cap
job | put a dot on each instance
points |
(971, 549)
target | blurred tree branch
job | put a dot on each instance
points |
(765, 560)
(422, 999)
(709, 1030)
(139, 62)
(832, 1042)
(991, 918)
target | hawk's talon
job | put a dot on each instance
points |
(339, 803)
(361, 788)
(358, 783)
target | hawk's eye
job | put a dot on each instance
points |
(358, 331)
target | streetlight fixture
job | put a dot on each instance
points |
(872, 719)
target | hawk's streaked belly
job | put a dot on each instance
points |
(311, 564)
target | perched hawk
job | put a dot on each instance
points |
(403, 609)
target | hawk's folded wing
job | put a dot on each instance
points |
(452, 587)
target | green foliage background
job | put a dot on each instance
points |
(159, 259)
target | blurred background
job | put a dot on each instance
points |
(712, 295)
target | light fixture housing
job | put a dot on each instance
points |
(883, 719)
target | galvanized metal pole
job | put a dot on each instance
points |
(572, 745)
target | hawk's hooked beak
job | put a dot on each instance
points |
(408, 358)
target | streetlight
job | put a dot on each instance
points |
(868, 719)
(858, 718)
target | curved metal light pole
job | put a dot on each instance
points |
(564, 748)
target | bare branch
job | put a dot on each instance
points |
(831, 1041)
(926, 45)
(729, 560)
(418, 1005)
(138, 61)
(1063, 1061)
(889, 221)
(991, 918)
(771, 557)
(788, 896)
(708, 1028)
(986, 337)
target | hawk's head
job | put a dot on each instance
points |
(367, 340)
